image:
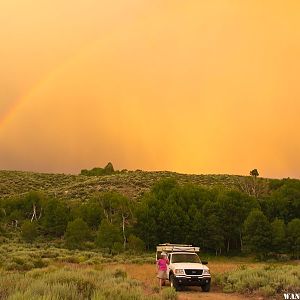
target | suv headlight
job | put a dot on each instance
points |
(205, 272)
(179, 271)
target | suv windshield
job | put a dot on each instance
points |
(189, 258)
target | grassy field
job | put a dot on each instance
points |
(131, 183)
(44, 271)
(73, 282)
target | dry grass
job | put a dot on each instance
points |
(147, 272)
(221, 267)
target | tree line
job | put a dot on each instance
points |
(222, 221)
(219, 221)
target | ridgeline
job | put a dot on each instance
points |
(130, 183)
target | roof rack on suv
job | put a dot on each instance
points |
(176, 248)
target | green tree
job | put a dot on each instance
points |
(109, 203)
(33, 205)
(156, 216)
(146, 226)
(55, 217)
(234, 207)
(196, 234)
(29, 231)
(278, 235)
(293, 235)
(214, 239)
(173, 222)
(25, 207)
(77, 233)
(90, 212)
(107, 235)
(284, 202)
(116, 209)
(254, 173)
(257, 232)
(164, 188)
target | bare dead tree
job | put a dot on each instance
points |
(253, 186)
(33, 213)
(40, 215)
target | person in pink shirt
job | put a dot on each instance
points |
(162, 266)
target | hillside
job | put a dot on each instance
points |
(131, 183)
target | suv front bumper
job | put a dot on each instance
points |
(192, 280)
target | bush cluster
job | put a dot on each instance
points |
(74, 283)
(268, 281)
(24, 257)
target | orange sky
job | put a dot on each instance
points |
(190, 86)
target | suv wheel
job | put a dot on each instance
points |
(206, 287)
(173, 282)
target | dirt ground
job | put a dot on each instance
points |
(191, 295)
(147, 274)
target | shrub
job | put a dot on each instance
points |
(169, 294)
(73, 283)
(29, 231)
(117, 248)
(135, 244)
(266, 280)
(267, 291)
(120, 274)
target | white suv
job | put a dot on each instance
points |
(185, 268)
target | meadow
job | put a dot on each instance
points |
(45, 271)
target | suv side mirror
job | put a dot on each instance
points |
(204, 262)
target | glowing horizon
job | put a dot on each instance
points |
(193, 87)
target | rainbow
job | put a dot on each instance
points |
(8, 116)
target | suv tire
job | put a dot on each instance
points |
(173, 282)
(206, 287)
